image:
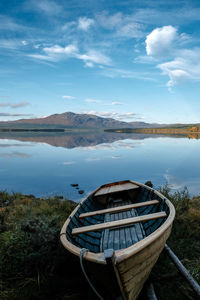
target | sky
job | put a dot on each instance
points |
(132, 60)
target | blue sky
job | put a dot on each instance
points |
(130, 60)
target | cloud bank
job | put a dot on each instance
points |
(165, 43)
(115, 115)
(56, 53)
(14, 115)
(14, 105)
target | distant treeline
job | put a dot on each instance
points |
(32, 129)
(192, 132)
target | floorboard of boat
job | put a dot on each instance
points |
(121, 237)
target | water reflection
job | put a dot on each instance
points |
(15, 154)
(46, 164)
(79, 139)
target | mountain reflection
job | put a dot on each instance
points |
(78, 139)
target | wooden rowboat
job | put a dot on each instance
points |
(124, 225)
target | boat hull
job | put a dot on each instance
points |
(134, 271)
(131, 266)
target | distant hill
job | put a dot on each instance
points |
(72, 120)
(81, 121)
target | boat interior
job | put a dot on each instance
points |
(116, 216)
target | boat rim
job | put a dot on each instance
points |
(120, 254)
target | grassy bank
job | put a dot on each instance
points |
(185, 242)
(34, 265)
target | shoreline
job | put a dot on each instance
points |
(30, 247)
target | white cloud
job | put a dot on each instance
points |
(176, 74)
(177, 77)
(11, 44)
(113, 103)
(131, 29)
(56, 49)
(145, 59)
(24, 43)
(56, 53)
(48, 7)
(89, 64)
(36, 46)
(104, 114)
(115, 72)
(85, 23)
(92, 159)
(127, 116)
(109, 22)
(14, 105)
(43, 57)
(94, 56)
(123, 25)
(14, 115)
(116, 103)
(160, 41)
(67, 163)
(68, 97)
(155, 15)
(164, 43)
(69, 26)
(183, 68)
(92, 101)
(9, 24)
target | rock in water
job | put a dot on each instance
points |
(81, 191)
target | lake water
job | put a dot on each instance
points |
(46, 164)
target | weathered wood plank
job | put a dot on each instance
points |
(127, 231)
(118, 223)
(135, 270)
(118, 209)
(132, 228)
(116, 188)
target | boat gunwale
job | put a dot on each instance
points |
(121, 254)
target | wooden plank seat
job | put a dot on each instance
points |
(118, 223)
(118, 209)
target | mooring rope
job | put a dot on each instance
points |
(82, 252)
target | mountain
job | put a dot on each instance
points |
(79, 121)
(72, 120)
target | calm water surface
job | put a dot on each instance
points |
(46, 165)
